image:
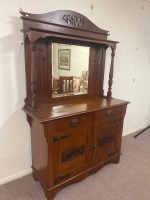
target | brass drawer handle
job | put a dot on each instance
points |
(113, 153)
(61, 178)
(109, 113)
(57, 139)
(74, 122)
(116, 121)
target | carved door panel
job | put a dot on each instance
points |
(71, 152)
(107, 138)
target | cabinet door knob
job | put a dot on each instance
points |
(90, 150)
(94, 147)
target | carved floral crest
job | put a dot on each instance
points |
(74, 20)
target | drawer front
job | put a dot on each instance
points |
(108, 113)
(71, 122)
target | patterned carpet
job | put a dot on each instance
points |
(128, 180)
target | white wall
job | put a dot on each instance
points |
(126, 22)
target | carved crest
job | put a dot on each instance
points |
(72, 19)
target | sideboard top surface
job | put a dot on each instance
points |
(50, 112)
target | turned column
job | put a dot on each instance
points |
(110, 82)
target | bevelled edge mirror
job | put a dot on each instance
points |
(70, 70)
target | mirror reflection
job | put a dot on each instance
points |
(70, 67)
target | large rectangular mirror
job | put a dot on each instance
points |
(70, 69)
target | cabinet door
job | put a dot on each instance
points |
(71, 154)
(107, 139)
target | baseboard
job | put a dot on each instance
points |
(134, 130)
(15, 176)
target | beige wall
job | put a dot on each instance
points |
(126, 22)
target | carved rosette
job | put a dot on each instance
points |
(74, 20)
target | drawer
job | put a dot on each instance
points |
(108, 113)
(71, 122)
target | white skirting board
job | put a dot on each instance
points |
(15, 176)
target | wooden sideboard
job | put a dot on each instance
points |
(72, 135)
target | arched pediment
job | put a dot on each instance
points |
(66, 18)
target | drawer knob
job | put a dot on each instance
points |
(109, 113)
(74, 122)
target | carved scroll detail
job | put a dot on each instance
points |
(74, 20)
(110, 82)
(106, 140)
(33, 77)
(68, 155)
(34, 93)
(37, 35)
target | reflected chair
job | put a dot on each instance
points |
(66, 84)
(55, 86)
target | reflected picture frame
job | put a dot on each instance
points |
(64, 59)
